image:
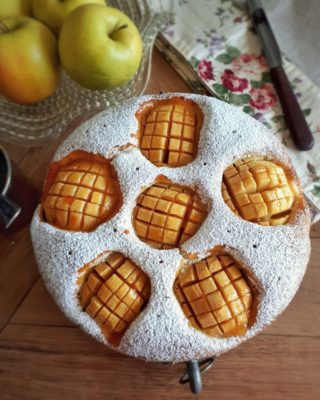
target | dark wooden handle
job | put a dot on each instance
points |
(293, 114)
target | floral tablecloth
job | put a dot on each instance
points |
(212, 45)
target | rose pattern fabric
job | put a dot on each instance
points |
(262, 98)
(205, 70)
(249, 65)
(232, 82)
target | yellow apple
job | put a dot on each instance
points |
(10, 8)
(29, 67)
(99, 47)
(54, 12)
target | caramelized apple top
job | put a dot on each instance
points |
(169, 131)
(216, 295)
(259, 191)
(81, 192)
(167, 214)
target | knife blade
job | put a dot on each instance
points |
(293, 115)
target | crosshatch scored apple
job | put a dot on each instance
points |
(100, 47)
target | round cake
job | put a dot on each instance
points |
(172, 227)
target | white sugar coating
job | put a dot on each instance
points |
(275, 257)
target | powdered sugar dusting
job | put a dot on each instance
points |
(275, 257)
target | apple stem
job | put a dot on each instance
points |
(121, 27)
(3, 27)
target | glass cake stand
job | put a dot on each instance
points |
(38, 124)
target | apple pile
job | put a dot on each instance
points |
(98, 46)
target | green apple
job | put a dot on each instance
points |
(29, 68)
(100, 47)
(54, 12)
(10, 8)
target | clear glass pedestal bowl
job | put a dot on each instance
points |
(45, 121)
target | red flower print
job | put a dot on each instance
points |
(232, 82)
(237, 20)
(205, 70)
(246, 58)
(262, 98)
(249, 65)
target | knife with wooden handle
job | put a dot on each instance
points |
(293, 115)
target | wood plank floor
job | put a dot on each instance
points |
(44, 356)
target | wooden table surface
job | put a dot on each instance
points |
(44, 356)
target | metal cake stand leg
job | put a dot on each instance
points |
(193, 371)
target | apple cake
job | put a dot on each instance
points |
(172, 227)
